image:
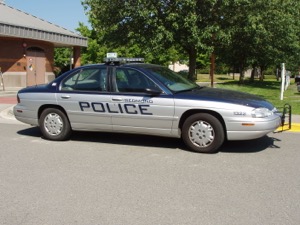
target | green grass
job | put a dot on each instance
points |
(268, 89)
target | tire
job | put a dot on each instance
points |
(54, 125)
(203, 133)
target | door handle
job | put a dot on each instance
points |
(65, 96)
(117, 99)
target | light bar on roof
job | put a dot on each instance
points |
(122, 60)
(112, 55)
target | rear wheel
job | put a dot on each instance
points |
(203, 133)
(54, 124)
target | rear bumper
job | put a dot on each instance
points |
(25, 116)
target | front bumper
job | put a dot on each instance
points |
(248, 130)
(256, 128)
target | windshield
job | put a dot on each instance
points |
(174, 81)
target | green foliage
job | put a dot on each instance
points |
(270, 71)
(95, 52)
(242, 33)
(262, 33)
(61, 59)
(157, 26)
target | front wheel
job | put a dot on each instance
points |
(54, 124)
(203, 133)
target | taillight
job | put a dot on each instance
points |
(18, 99)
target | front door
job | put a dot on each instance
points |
(36, 66)
(136, 111)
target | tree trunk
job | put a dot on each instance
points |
(212, 68)
(253, 73)
(192, 63)
(242, 74)
(262, 69)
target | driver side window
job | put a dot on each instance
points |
(129, 80)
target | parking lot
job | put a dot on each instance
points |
(102, 178)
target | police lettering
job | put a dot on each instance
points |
(100, 107)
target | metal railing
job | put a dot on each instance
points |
(286, 118)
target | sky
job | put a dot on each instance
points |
(64, 13)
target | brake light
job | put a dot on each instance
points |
(18, 99)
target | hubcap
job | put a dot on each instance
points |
(201, 134)
(53, 124)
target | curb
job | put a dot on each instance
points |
(8, 113)
(7, 116)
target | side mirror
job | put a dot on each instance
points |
(153, 91)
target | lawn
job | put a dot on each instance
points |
(268, 89)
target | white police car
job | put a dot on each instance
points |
(123, 95)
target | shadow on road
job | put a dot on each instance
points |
(31, 131)
(250, 146)
(114, 138)
(128, 139)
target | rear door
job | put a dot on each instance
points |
(135, 110)
(84, 96)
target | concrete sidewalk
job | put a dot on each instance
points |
(8, 98)
(9, 91)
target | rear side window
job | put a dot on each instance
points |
(87, 79)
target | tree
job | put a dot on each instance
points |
(241, 33)
(263, 33)
(157, 25)
(62, 59)
(98, 47)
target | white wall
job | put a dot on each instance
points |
(178, 67)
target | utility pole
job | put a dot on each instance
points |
(282, 80)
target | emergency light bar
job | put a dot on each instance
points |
(122, 60)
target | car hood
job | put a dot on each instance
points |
(225, 96)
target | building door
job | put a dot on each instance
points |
(36, 66)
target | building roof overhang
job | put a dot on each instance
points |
(14, 23)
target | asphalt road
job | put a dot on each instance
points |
(116, 179)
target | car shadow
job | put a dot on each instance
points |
(114, 138)
(250, 146)
(31, 131)
(128, 139)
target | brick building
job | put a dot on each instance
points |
(27, 47)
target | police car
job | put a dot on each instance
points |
(125, 95)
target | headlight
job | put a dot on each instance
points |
(261, 113)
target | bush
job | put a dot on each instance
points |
(270, 71)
